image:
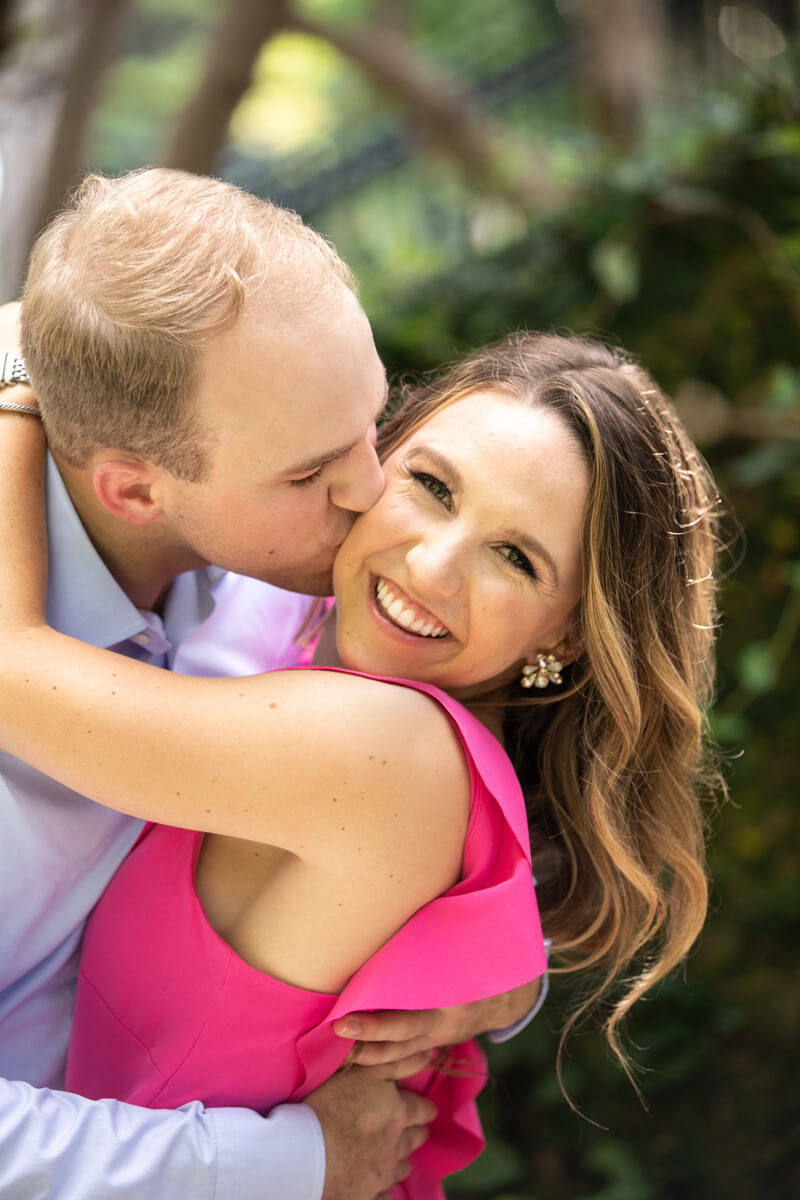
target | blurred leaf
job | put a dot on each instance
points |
(727, 728)
(757, 668)
(792, 574)
(780, 140)
(616, 265)
(784, 392)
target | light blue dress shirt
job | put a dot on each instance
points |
(58, 851)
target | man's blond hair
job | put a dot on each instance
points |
(127, 285)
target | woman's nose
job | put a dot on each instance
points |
(436, 564)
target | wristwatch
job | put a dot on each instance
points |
(13, 370)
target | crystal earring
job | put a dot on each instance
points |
(541, 673)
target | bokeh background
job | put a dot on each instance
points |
(627, 168)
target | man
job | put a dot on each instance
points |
(209, 386)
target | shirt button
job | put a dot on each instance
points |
(143, 639)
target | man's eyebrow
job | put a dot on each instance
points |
(525, 540)
(315, 462)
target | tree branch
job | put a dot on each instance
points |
(202, 128)
(47, 91)
(446, 118)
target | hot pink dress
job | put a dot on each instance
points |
(166, 1012)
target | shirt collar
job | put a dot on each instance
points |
(83, 598)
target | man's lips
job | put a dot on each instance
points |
(405, 613)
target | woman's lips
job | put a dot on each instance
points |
(406, 614)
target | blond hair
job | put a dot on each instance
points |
(128, 284)
(614, 764)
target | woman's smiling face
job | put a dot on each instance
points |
(470, 562)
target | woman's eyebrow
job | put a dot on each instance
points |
(442, 463)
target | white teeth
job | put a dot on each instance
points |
(394, 608)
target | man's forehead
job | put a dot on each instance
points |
(298, 393)
(318, 454)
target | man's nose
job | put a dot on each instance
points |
(359, 481)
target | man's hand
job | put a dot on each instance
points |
(370, 1128)
(403, 1041)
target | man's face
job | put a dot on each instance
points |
(290, 409)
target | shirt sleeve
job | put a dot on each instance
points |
(59, 1146)
(505, 1035)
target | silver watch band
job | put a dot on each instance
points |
(12, 370)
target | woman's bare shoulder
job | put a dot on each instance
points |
(386, 750)
(388, 727)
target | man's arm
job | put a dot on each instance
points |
(59, 1146)
(64, 1147)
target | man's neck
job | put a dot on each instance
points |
(142, 560)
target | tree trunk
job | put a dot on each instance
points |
(203, 126)
(56, 53)
(626, 46)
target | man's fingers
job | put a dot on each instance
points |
(419, 1109)
(414, 1137)
(385, 1057)
(402, 1171)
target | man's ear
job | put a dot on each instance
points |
(128, 488)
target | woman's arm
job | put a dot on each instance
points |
(224, 756)
(232, 756)
(23, 544)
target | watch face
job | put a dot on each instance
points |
(13, 370)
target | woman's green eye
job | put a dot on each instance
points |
(439, 490)
(514, 556)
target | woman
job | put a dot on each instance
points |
(542, 557)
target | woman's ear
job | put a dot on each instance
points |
(568, 649)
(128, 489)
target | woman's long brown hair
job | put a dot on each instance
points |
(614, 764)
